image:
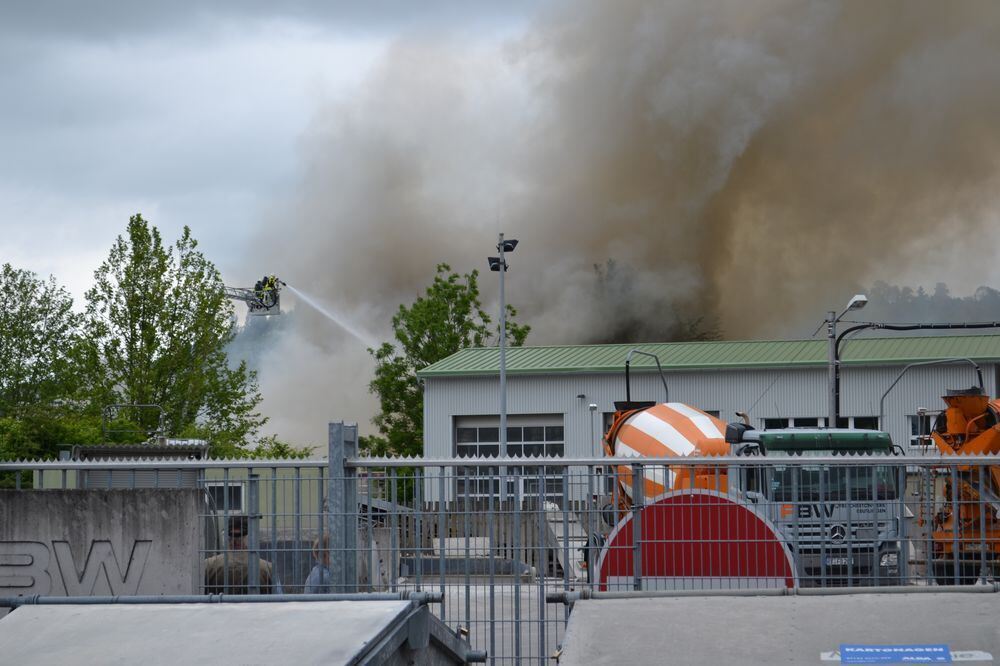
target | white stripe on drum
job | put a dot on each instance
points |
(663, 476)
(663, 432)
(702, 421)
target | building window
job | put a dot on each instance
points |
(477, 442)
(859, 422)
(920, 430)
(527, 440)
(865, 422)
(217, 492)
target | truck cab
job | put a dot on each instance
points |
(841, 522)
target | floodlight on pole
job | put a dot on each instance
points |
(499, 265)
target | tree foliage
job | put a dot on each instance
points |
(157, 324)
(270, 447)
(447, 318)
(38, 336)
(39, 431)
(41, 402)
(155, 332)
(903, 304)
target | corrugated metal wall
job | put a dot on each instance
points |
(766, 393)
(121, 478)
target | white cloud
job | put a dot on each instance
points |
(199, 134)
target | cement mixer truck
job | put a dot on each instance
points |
(841, 523)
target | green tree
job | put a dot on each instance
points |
(40, 409)
(157, 324)
(270, 447)
(38, 333)
(447, 318)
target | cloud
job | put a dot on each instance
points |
(108, 19)
(201, 136)
(750, 163)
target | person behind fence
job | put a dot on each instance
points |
(319, 581)
(229, 571)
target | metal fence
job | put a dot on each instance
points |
(504, 557)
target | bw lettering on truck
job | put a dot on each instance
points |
(840, 521)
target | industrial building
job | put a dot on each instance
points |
(560, 398)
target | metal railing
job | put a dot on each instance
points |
(507, 570)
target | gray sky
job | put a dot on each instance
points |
(197, 113)
(758, 162)
(189, 112)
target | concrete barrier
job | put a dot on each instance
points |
(99, 542)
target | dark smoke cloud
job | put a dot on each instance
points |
(750, 163)
(764, 159)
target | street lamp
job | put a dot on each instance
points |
(499, 265)
(857, 302)
(594, 449)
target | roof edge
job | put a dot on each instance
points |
(430, 372)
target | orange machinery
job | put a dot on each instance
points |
(966, 529)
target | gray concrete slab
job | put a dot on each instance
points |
(775, 630)
(100, 542)
(278, 633)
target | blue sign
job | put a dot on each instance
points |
(894, 654)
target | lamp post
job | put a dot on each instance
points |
(869, 325)
(857, 302)
(499, 265)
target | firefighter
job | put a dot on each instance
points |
(229, 573)
(269, 291)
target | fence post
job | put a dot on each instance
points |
(297, 524)
(638, 500)
(253, 498)
(903, 556)
(342, 515)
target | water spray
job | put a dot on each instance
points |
(338, 320)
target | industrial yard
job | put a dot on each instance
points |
(533, 332)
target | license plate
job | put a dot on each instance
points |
(836, 561)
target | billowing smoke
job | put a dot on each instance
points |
(748, 165)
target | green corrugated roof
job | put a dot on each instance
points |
(714, 355)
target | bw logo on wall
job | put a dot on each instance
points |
(99, 542)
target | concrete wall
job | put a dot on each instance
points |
(283, 491)
(99, 542)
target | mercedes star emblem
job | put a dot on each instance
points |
(838, 533)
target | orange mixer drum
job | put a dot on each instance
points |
(670, 430)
